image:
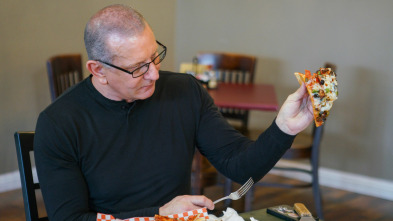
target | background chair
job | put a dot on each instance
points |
(24, 145)
(233, 68)
(203, 174)
(63, 72)
(304, 147)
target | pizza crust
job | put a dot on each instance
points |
(300, 78)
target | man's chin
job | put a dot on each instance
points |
(147, 92)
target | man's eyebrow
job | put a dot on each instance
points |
(134, 65)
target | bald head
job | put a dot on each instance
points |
(114, 20)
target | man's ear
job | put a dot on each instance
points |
(96, 69)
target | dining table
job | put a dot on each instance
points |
(245, 96)
(260, 215)
(263, 215)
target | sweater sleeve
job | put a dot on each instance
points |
(63, 186)
(233, 154)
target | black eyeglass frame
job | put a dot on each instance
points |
(146, 64)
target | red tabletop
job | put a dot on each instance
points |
(245, 96)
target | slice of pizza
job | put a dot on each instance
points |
(164, 218)
(322, 88)
(196, 217)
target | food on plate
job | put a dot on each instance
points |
(228, 215)
(322, 88)
(196, 217)
(163, 218)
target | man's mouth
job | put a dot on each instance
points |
(147, 87)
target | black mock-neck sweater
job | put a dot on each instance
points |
(95, 155)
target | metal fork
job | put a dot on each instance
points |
(238, 193)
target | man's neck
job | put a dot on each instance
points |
(103, 89)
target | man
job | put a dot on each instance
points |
(121, 142)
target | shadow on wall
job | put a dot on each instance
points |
(359, 98)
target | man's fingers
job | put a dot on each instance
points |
(300, 93)
(185, 203)
(202, 201)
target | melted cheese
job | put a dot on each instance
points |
(323, 101)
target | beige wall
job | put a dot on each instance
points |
(290, 36)
(31, 32)
(287, 36)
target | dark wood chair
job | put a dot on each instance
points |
(233, 68)
(24, 146)
(203, 174)
(63, 72)
(304, 147)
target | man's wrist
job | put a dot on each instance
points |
(283, 127)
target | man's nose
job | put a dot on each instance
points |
(152, 73)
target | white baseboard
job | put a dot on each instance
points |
(327, 177)
(342, 180)
(11, 181)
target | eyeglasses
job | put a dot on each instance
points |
(141, 70)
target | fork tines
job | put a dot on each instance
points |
(246, 186)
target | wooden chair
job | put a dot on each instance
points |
(24, 145)
(63, 72)
(203, 174)
(304, 147)
(234, 68)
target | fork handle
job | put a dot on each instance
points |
(219, 200)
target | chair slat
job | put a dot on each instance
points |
(63, 72)
(24, 142)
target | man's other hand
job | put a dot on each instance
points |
(185, 203)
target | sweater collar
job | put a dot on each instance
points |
(101, 99)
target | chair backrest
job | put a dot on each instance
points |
(63, 72)
(24, 145)
(231, 67)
